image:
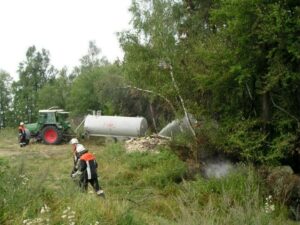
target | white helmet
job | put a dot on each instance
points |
(74, 141)
(22, 123)
(80, 148)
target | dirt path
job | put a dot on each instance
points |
(8, 149)
(5, 152)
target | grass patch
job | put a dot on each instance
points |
(141, 188)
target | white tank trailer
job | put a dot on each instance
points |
(115, 126)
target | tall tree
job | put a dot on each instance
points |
(162, 51)
(262, 65)
(150, 46)
(5, 98)
(83, 94)
(91, 60)
(34, 73)
(55, 92)
(236, 61)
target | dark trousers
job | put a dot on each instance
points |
(83, 183)
(23, 140)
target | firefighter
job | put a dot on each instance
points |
(86, 168)
(22, 135)
(74, 142)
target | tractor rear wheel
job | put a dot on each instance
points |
(51, 135)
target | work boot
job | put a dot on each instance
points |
(100, 193)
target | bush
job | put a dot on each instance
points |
(161, 169)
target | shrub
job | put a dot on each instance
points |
(166, 168)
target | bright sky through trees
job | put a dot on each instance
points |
(64, 27)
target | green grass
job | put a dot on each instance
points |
(8, 138)
(141, 188)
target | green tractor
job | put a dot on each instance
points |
(52, 126)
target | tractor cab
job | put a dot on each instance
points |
(58, 117)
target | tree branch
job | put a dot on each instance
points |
(283, 110)
(181, 101)
(152, 92)
(251, 97)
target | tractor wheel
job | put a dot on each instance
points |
(51, 135)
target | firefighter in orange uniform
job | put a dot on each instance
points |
(86, 168)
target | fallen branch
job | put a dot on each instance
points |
(181, 101)
(152, 92)
(283, 110)
(251, 97)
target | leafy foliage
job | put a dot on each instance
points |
(5, 98)
(34, 73)
(56, 92)
(235, 62)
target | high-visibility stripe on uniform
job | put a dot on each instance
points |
(88, 170)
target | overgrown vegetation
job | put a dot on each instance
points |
(141, 188)
(233, 64)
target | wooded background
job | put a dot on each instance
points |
(233, 64)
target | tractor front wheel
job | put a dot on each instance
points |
(51, 135)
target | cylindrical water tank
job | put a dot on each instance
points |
(118, 126)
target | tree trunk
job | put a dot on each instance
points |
(266, 110)
(153, 117)
(181, 101)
